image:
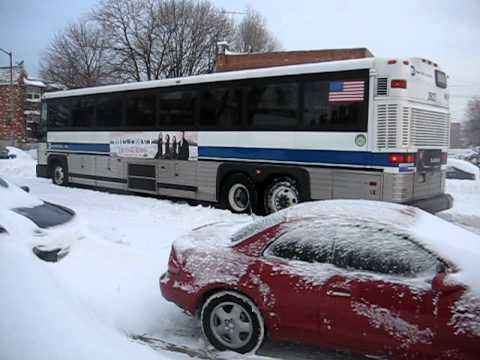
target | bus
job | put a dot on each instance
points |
(260, 140)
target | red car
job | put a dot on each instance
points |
(369, 277)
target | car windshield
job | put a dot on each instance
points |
(46, 215)
(258, 226)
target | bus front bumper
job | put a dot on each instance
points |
(434, 204)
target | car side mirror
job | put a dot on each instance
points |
(440, 284)
(25, 188)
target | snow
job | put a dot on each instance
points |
(105, 291)
(13, 197)
(32, 82)
(379, 317)
(464, 166)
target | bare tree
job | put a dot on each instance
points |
(252, 34)
(472, 126)
(77, 57)
(152, 39)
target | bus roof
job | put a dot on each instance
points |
(331, 66)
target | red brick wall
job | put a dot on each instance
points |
(262, 60)
(17, 127)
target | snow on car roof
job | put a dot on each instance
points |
(448, 241)
(464, 166)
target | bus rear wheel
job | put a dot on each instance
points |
(280, 194)
(239, 194)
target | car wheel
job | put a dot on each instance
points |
(280, 194)
(239, 194)
(231, 321)
(59, 174)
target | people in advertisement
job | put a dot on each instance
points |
(163, 145)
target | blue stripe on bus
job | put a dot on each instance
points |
(307, 156)
(86, 147)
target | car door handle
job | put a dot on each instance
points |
(340, 293)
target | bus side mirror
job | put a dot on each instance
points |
(442, 285)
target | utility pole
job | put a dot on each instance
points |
(10, 117)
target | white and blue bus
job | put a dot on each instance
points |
(260, 139)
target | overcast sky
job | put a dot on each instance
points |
(445, 31)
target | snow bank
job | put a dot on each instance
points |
(23, 165)
(40, 321)
(464, 166)
(13, 197)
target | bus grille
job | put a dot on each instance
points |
(429, 128)
(382, 86)
(387, 125)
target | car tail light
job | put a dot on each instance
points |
(401, 158)
(444, 158)
(399, 84)
(173, 264)
(391, 62)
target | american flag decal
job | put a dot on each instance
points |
(346, 91)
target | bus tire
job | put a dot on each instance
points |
(239, 194)
(281, 193)
(59, 172)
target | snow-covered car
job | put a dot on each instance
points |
(370, 277)
(5, 154)
(462, 170)
(47, 228)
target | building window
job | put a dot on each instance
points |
(33, 94)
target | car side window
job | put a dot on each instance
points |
(379, 249)
(302, 243)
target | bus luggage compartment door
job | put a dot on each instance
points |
(353, 185)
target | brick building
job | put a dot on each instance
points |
(227, 61)
(20, 106)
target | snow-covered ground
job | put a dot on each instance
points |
(107, 287)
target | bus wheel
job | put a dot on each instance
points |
(239, 194)
(59, 173)
(280, 194)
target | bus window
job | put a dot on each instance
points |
(58, 114)
(221, 107)
(141, 111)
(321, 113)
(109, 111)
(83, 113)
(273, 106)
(177, 108)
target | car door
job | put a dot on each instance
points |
(389, 281)
(295, 271)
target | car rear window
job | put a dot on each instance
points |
(46, 215)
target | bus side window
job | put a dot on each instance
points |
(141, 111)
(323, 114)
(109, 111)
(221, 107)
(273, 105)
(58, 116)
(177, 108)
(83, 112)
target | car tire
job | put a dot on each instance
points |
(59, 173)
(281, 193)
(231, 321)
(239, 194)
